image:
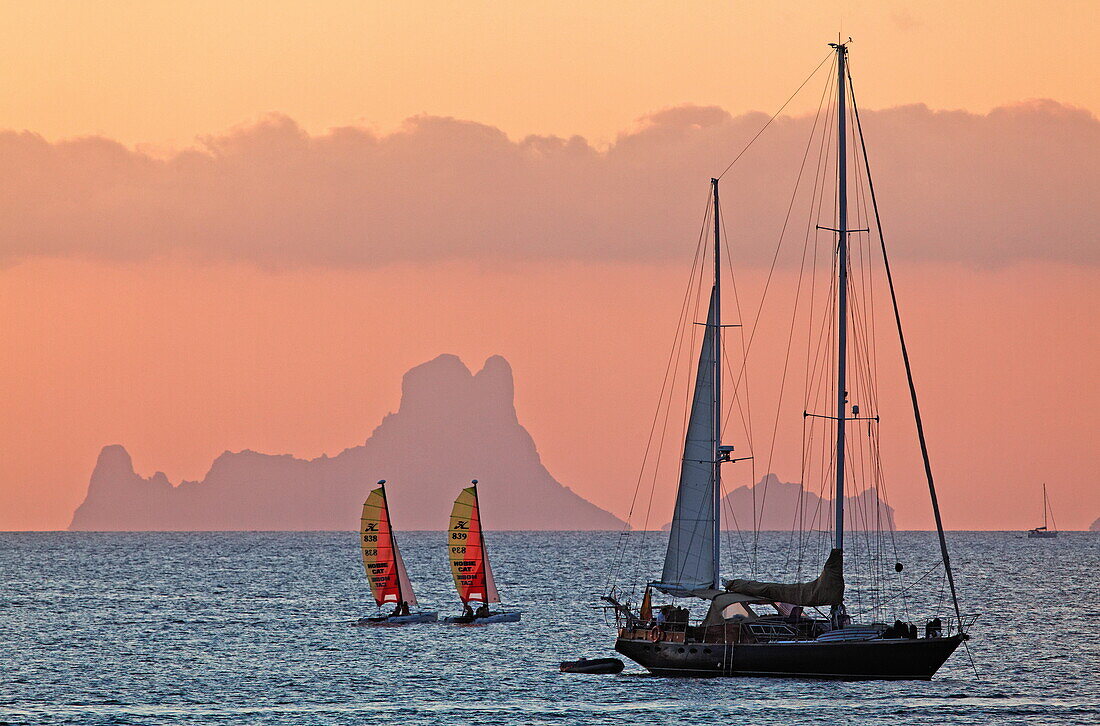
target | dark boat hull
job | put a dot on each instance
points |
(598, 666)
(917, 659)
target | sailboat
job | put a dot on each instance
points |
(756, 628)
(1043, 532)
(470, 568)
(389, 583)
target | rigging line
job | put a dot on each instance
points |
(794, 310)
(909, 373)
(973, 665)
(799, 518)
(746, 410)
(616, 567)
(868, 278)
(816, 201)
(694, 283)
(869, 331)
(824, 335)
(774, 115)
(756, 320)
(763, 298)
(826, 455)
(808, 430)
(1050, 511)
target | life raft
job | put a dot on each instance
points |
(596, 665)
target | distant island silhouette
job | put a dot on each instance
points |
(1095, 526)
(777, 506)
(452, 426)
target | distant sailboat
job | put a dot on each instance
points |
(469, 559)
(389, 583)
(1043, 532)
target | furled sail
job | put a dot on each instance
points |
(689, 561)
(827, 589)
(381, 558)
(466, 545)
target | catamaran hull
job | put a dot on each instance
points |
(411, 619)
(917, 659)
(507, 617)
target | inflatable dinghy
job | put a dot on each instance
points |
(596, 665)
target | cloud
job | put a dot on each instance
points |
(983, 189)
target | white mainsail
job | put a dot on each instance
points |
(689, 561)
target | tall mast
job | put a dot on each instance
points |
(393, 541)
(481, 537)
(842, 298)
(717, 425)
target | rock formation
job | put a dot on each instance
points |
(451, 427)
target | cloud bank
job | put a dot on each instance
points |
(1017, 183)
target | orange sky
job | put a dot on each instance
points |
(162, 73)
(213, 302)
(180, 362)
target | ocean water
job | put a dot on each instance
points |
(253, 628)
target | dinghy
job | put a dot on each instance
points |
(389, 583)
(470, 564)
(596, 666)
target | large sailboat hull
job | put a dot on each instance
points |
(1041, 534)
(879, 659)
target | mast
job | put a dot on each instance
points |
(944, 553)
(393, 542)
(842, 297)
(481, 538)
(1044, 505)
(717, 425)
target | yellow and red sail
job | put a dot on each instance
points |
(382, 561)
(466, 545)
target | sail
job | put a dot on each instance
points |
(827, 589)
(689, 561)
(381, 559)
(466, 545)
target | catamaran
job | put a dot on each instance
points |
(1043, 532)
(470, 568)
(758, 628)
(389, 583)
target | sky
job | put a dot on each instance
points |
(235, 225)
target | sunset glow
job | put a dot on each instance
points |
(236, 225)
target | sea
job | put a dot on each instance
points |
(255, 628)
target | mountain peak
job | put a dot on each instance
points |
(452, 426)
(113, 459)
(445, 384)
(495, 377)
